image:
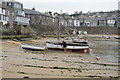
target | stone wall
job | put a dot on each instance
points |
(100, 30)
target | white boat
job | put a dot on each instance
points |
(31, 47)
(73, 47)
(106, 37)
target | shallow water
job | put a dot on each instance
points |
(105, 49)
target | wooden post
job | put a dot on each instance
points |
(88, 50)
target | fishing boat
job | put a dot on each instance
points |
(83, 41)
(31, 47)
(72, 47)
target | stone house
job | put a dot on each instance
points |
(37, 17)
(101, 21)
(66, 20)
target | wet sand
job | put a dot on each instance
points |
(18, 63)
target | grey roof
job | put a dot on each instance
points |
(101, 18)
(14, 1)
(30, 11)
(34, 12)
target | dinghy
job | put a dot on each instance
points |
(31, 47)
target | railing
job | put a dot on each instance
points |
(20, 13)
(2, 11)
(21, 20)
(4, 22)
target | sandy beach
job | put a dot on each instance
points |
(19, 63)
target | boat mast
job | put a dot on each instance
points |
(58, 28)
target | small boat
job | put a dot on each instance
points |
(106, 37)
(73, 47)
(83, 41)
(31, 47)
(117, 37)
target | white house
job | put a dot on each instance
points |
(3, 18)
(76, 23)
(111, 23)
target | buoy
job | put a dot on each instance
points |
(98, 58)
(14, 43)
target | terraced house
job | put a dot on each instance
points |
(13, 16)
(19, 15)
(38, 18)
(6, 16)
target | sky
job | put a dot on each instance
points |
(70, 6)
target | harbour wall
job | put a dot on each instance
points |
(99, 30)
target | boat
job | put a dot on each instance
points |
(106, 37)
(31, 47)
(72, 47)
(117, 37)
(83, 41)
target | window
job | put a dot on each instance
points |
(9, 4)
(53, 20)
(3, 18)
(17, 5)
(0, 10)
(12, 13)
(0, 17)
(8, 12)
(3, 10)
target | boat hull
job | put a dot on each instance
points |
(30, 47)
(80, 41)
(70, 47)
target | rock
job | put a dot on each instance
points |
(26, 77)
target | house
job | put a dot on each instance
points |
(33, 16)
(76, 22)
(6, 16)
(66, 20)
(111, 22)
(19, 15)
(101, 21)
(37, 17)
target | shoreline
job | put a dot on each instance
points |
(43, 36)
(18, 63)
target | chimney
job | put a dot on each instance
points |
(33, 8)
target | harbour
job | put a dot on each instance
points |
(19, 63)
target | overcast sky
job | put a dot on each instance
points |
(70, 6)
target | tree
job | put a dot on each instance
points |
(80, 12)
(76, 12)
